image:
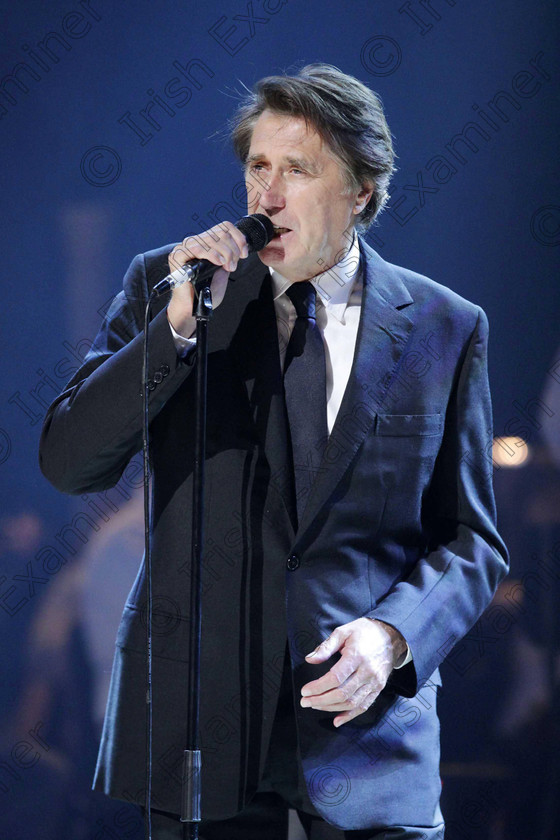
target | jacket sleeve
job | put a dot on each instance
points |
(95, 426)
(449, 588)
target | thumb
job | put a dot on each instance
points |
(326, 649)
(219, 286)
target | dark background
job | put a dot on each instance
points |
(88, 182)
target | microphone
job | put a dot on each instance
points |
(258, 231)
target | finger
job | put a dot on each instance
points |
(179, 256)
(347, 694)
(226, 236)
(344, 696)
(334, 678)
(350, 714)
(227, 240)
(224, 257)
(219, 286)
(360, 681)
(221, 245)
(238, 238)
(326, 649)
(324, 703)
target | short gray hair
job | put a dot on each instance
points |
(346, 114)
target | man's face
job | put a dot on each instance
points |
(295, 179)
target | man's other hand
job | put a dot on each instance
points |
(369, 650)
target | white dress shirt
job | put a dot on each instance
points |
(339, 299)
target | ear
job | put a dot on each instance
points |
(362, 198)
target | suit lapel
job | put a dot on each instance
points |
(382, 335)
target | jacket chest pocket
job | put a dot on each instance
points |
(405, 447)
(404, 425)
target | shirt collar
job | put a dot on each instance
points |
(333, 286)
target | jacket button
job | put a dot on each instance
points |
(151, 385)
(293, 563)
(165, 369)
(158, 377)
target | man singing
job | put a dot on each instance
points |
(350, 523)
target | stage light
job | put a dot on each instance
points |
(509, 452)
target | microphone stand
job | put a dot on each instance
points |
(192, 759)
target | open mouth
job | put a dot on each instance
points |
(278, 231)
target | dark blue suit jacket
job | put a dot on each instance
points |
(400, 526)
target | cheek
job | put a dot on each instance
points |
(313, 235)
(253, 198)
(327, 232)
(316, 222)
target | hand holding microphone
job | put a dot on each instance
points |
(212, 254)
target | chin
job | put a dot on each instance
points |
(273, 256)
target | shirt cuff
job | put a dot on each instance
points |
(407, 659)
(183, 345)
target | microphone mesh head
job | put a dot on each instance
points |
(257, 229)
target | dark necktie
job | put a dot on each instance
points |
(306, 392)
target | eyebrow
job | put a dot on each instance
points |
(300, 163)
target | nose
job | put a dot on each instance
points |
(272, 195)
